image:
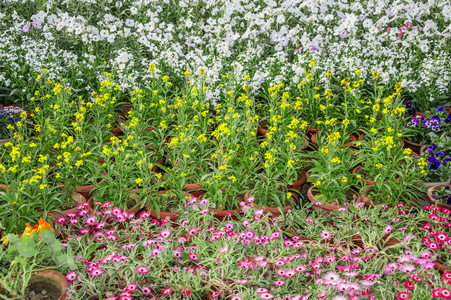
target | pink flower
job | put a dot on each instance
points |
(96, 272)
(403, 295)
(146, 290)
(325, 235)
(318, 203)
(279, 283)
(165, 233)
(223, 249)
(71, 276)
(167, 290)
(216, 294)
(131, 287)
(61, 220)
(388, 229)
(266, 296)
(322, 295)
(261, 290)
(309, 220)
(91, 221)
(142, 270)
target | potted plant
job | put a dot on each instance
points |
(440, 195)
(28, 259)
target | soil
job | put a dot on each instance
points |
(42, 288)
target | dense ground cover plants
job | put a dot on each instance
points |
(229, 150)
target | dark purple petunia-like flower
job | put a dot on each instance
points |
(440, 108)
(434, 146)
(446, 160)
(434, 163)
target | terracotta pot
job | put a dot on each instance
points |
(4, 141)
(194, 189)
(297, 185)
(433, 200)
(441, 268)
(311, 131)
(54, 277)
(273, 210)
(414, 146)
(163, 214)
(354, 138)
(327, 207)
(368, 203)
(424, 149)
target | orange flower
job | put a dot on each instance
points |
(42, 224)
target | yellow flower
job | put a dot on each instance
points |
(290, 163)
(79, 163)
(223, 167)
(336, 160)
(139, 181)
(43, 186)
(344, 179)
(317, 183)
(379, 166)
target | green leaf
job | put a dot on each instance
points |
(47, 236)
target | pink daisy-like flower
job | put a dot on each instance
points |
(96, 272)
(308, 220)
(156, 253)
(290, 273)
(321, 295)
(325, 235)
(249, 234)
(216, 294)
(266, 296)
(403, 295)
(142, 270)
(91, 221)
(332, 278)
(261, 290)
(367, 283)
(61, 220)
(223, 249)
(279, 283)
(167, 290)
(388, 229)
(407, 268)
(71, 276)
(131, 287)
(165, 233)
(236, 298)
(203, 202)
(300, 269)
(318, 203)
(146, 290)
(341, 209)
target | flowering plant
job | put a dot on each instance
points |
(424, 129)
(9, 116)
(437, 162)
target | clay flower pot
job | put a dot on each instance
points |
(441, 268)
(53, 282)
(327, 207)
(414, 146)
(433, 200)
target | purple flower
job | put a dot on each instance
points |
(344, 34)
(434, 163)
(413, 123)
(26, 28)
(440, 108)
(36, 24)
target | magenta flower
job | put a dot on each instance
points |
(165, 233)
(91, 221)
(71, 276)
(266, 296)
(131, 287)
(142, 270)
(325, 235)
(96, 272)
(216, 294)
(279, 283)
(223, 249)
